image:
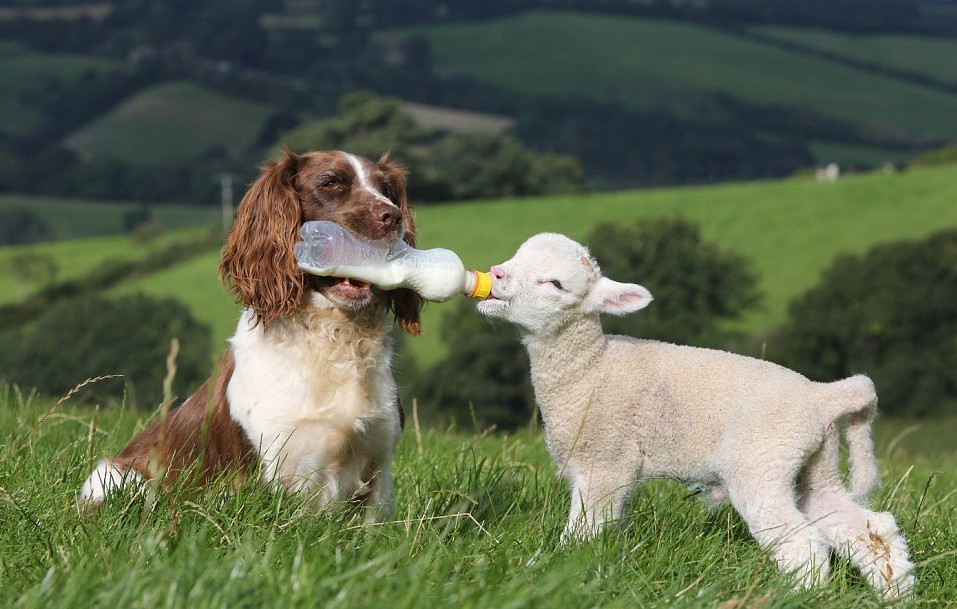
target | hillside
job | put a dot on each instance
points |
(648, 63)
(790, 230)
(132, 105)
(171, 122)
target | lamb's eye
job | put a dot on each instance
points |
(557, 284)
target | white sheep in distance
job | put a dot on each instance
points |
(619, 410)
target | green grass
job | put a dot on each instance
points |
(172, 122)
(642, 62)
(78, 257)
(476, 526)
(931, 57)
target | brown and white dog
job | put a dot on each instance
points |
(304, 395)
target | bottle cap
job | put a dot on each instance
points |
(483, 285)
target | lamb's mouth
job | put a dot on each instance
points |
(491, 305)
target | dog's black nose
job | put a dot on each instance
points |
(388, 216)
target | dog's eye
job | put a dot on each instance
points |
(328, 181)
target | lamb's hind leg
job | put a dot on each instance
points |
(779, 527)
(870, 540)
(598, 496)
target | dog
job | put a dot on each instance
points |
(304, 396)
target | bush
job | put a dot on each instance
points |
(91, 337)
(486, 369)
(890, 314)
(696, 284)
(471, 166)
(21, 226)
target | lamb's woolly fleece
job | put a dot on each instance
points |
(619, 410)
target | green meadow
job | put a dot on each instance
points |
(647, 62)
(477, 523)
(478, 513)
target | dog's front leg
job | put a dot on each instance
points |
(379, 503)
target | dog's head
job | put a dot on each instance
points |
(366, 198)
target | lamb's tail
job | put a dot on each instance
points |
(857, 399)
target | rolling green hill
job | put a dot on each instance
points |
(175, 122)
(646, 62)
(790, 229)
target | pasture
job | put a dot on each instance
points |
(644, 63)
(476, 526)
(934, 58)
(171, 123)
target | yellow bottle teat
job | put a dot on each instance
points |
(482, 287)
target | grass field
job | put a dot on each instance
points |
(641, 62)
(931, 57)
(172, 122)
(75, 258)
(476, 526)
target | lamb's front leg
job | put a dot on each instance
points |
(597, 497)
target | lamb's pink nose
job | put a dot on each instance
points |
(497, 272)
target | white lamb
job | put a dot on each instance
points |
(619, 410)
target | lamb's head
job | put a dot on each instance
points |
(553, 280)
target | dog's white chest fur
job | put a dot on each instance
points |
(316, 397)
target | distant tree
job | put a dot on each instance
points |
(486, 369)
(937, 156)
(487, 165)
(30, 269)
(890, 314)
(366, 125)
(83, 339)
(696, 284)
(20, 226)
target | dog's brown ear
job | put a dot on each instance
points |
(406, 304)
(258, 262)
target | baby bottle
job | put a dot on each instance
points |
(438, 274)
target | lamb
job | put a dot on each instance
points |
(619, 410)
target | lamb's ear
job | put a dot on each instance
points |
(616, 298)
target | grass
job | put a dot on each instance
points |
(172, 122)
(642, 62)
(75, 258)
(476, 525)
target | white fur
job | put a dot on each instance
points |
(364, 181)
(106, 479)
(619, 410)
(316, 396)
